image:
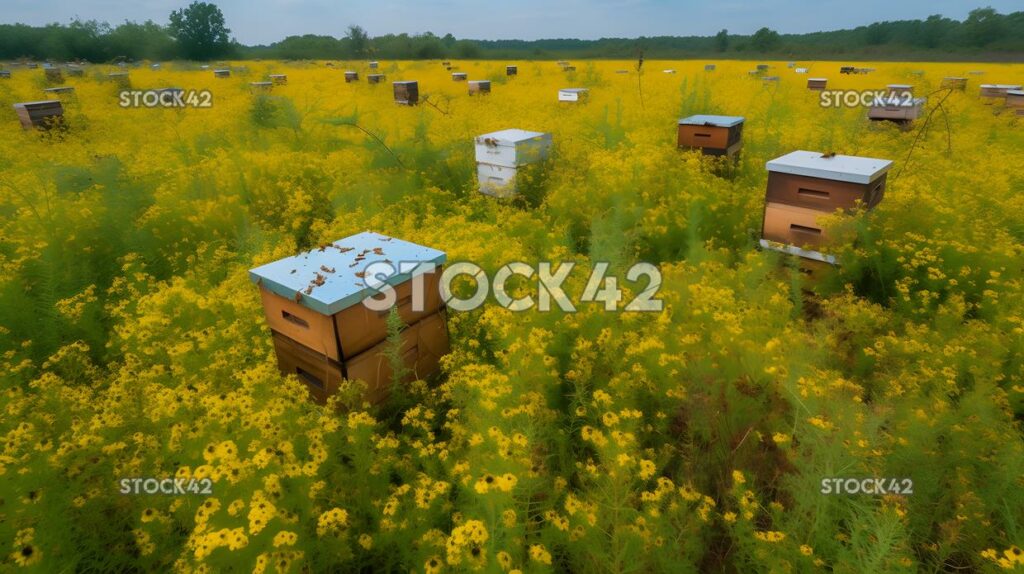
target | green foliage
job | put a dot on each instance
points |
(200, 31)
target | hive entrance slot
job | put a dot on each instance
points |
(309, 378)
(804, 229)
(295, 319)
(813, 193)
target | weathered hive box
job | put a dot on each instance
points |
(5, 74)
(323, 332)
(954, 83)
(406, 93)
(810, 180)
(459, 76)
(793, 225)
(75, 72)
(479, 87)
(374, 78)
(713, 135)
(997, 91)
(511, 70)
(762, 67)
(53, 75)
(222, 73)
(512, 147)
(446, 64)
(1015, 99)
(374, 65)
(59, 91)
(279, 79)
(261, 86)
(569, 68)
(817, 83)
(573, 95)
(900, 89)
(497, 180)
(709, 67)
(32, 66)
(43, 114)
(351, 76)
(898, 111)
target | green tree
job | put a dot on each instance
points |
(200, 31)
(983, 26)
(358, 41)
(722, 40)
(765, 40)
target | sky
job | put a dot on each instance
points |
(266, 21)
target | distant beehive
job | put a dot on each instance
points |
(53, 75)
(279, 79)
(374, 65)
(669, 71)
(897, 108)
(351, 76)
(374, 78)
(817, 83)
(44, 114)
(322, 331)
(712, 135)
(120, 79)
(803, 186)
(75, 71)
(709, 67)
(762, 67)
(900, 89)
(575, 95)
(222, 73)
(621, 71)
(1015, 99)
(954, 83)
(32, 66)
(500, 155)
(479, 87)
(459, 76)
(60, 90)
(511, 70)
(261, 86)
(976, 73)
(5, 74)
(154, 66)
(997, 91)
(569, 68)
(204, 67)
(407, 93)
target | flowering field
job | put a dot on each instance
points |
(132, 343)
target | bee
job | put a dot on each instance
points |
(361, 274)
(378, 251)
(345, 249)
(828, 155)
(298, 296)
(293, 271)
(309, 290)
(327, 269)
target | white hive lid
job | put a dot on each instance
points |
(852, 169)
(718, 121)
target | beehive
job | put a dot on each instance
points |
(75, 71)
(322, 331)
(479, 87)
(222, 73)
(42, 114)
(374, 78)
(261, 86)
(446, 64)
(712, 135)
(573, 95)
(817, 83)
(897, 109)
(459, 76)
(569, 68)
(32, 66)
(762, 67)
(803, 186)
(499, 155)
(374, 65)
(5, 74)
(406, 93)
(1015, 99)
(997, 91)
(954, 83)
(511, 70)
(709, 67)
(279, 79)
(53, 75)
(351, 76)
(61, 90)
(900, 89)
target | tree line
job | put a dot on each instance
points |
(199, 32)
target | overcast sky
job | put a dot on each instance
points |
(266, 21)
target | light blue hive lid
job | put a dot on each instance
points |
(341, 288)
(719, 121)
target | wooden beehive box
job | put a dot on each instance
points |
(407, 93)
(997, 91)
(574, 95)
(512, 147)
(261, 86)
(1015, 99)
(479, 87)
(75, 71)
(459, 76)
(279, 79)
(794, 225)
(351, 76)
(322, 331)
(222, 73)
(374, 65)
(59, 91)
(817, 83)
(762, 67)
(5, 74)
(811, 180)
(898, 90)
(712, 135)
(569, 68)
(374, 78)
(32, 66)
(954, 83)
(42, 114)
(53, 75)
(511, 70)
(897, 109)
(709, 67)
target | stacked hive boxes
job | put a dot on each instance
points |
(499, 155)
(323, 332)
(713, 135)
(804, 186)
(351, 76)
(407, 93)
(817, 83)
(479, 87)
(43, 114)
(899, 105)
(576, 95)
